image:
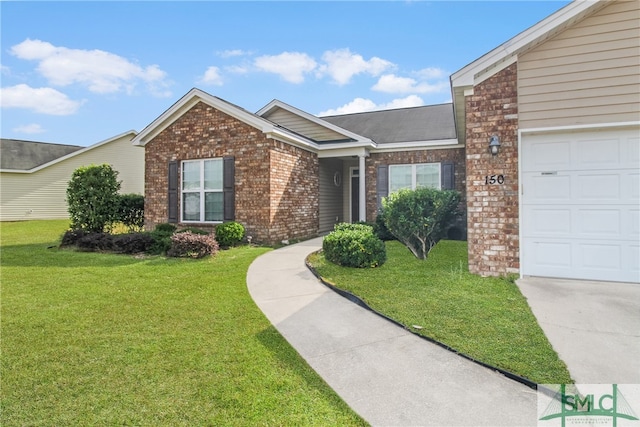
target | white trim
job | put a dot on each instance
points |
(201, 191)
(70, 155)
(351, 176)
(414, 180)
(530, 37)
(362, 202)
(593, 126)
(418, 145)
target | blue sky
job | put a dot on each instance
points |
(81, 72)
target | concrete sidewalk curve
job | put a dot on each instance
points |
(386, 374)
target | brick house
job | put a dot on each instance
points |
(286, 174)
(561, 198)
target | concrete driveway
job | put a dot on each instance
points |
(594, 326)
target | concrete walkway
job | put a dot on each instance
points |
(389, 376)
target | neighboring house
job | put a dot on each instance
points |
(34, 175)
(562, 196)
(286, 174)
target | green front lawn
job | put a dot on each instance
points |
(485, 318)
(102, 339)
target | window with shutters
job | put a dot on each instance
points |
(202, 190)
(413, 176)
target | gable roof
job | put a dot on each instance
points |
(31, 156)
(415, 124)
(194, 96)
(18, 154)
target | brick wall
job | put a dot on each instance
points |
(492, 210)
(294, 193)
(455, 155)
(204, 132)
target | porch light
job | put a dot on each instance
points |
(494, 144)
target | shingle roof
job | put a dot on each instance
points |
(427, 123)
(16, 154)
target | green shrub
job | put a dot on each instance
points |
(71, 237)
(381, 230)
(93, 242)
(132, 243)
(192, 245)
(354, 245)
(419, 218)
(161, 236)
(229, 233)
(131, 211)
(165, 228)
(92, 198)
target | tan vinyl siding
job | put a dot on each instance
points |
(303, 126)
(42, 194)
(588, 74)
(331, 211)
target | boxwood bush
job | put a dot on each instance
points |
(354, 245)
(229, 233)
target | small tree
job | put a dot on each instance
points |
(419, 218)
(131, 211)
(92, 198)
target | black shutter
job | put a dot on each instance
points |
(447, 176)
(228, 187)
(382, 184)
(173, 192)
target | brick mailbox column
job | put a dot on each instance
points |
(492, 181)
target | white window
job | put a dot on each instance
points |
(414, 176)
(202, 196)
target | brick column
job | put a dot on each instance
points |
(492, 216)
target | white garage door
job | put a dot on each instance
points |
(581, 205)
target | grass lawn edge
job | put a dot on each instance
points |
(357, 300)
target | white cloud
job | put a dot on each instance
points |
(390, 83)
(432, 73)
(360, 105)
(238, 69)
(31, 128)
(212, 77)
(342, 65)
(290, 66)
(41, 100)
(102, 72)
(232, 53)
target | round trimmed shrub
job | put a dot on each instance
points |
(354, 245)
(229, 233)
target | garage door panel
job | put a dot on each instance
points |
(580, 208)
(601, 153)
(632, 151)
(597, 187)
(603, 223)
(598, 257)
(549, 222)
(633, 224)
(545, 188)
(633, 186)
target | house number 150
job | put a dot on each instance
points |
(494, 179)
